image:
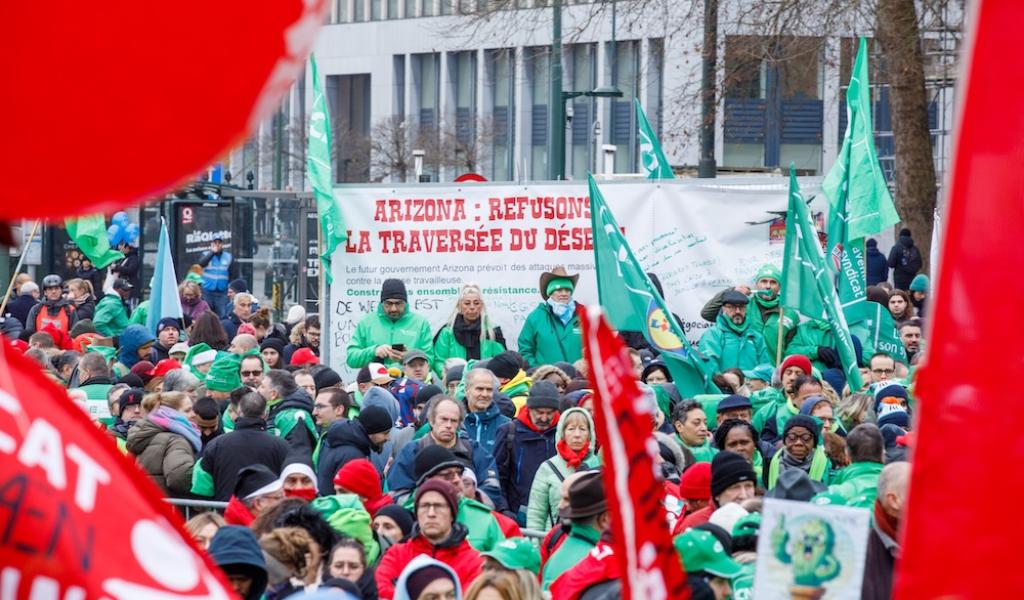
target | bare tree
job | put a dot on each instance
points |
(391, 149)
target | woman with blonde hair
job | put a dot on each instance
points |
(469, 333)
(574, 449)
(166, 441)
(203, 527)
(191, 296)
(495, 585)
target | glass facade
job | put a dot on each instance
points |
(501, 75)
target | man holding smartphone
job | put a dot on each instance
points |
(389, 333)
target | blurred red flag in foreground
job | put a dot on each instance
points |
(956, 543)
(80, 520)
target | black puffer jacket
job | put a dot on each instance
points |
(345, 441)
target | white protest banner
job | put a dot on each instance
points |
(696, 236)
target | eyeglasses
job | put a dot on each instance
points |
(793, 438)
(883, 371)
(427, 507)
(317, 407)
(250, 373)
(394, 303)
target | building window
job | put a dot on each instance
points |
(349, 98)
(341, 11)
(425, 72)
(624, 62)
(538, 63)
(501, 67)
(466, 147)
(410, 9)
(392, 9)
(376, 10)
(582, 74)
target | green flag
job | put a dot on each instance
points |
(318, 167)
(89, 233)
(651, 155)
(807, 284)
(633, 304)
(875, 328)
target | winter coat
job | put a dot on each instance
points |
(402, 476)
(857, 483)
(728, 346)
(876, 264)
(545, 340)
(85, 309)
(546, 491)
(237, 546)
(484, 530)
(250, 443)
(482, 428)
(231, 324)
(193, 311)
(905, 261)
(53, 310)
(165, 456)
(519, 451)
(455, 552)
(111, 316)
(446, 346)
(879, 563)
(96, 389)
(577, 545)
(128, 269)
(345, 441)
(378, 396)
(810, 336)
(375, 329)
(292, 420)
(762, 316)
(20, 307)
(771, 419)
(133, 338)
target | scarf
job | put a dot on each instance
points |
(237, 513)
(524, 418)
(307, 494)
(889, 525)
(788, 462)
(563, 312)
(468, 335)
(761, 297)
(726, 323)
(572, 458)
(175, 422)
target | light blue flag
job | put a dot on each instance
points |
(163, 289)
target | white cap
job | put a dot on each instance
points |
(300, 468)
(179, 348)
(727, 516)
(207, 356)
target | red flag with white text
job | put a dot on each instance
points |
(960, 537)
(79, 519)
(650, 565)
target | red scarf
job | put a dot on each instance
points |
(524, 418)
(889, 525)
(572, 458)
(307, 494)
(237, 513)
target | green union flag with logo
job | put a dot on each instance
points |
(651, 155)
(633, 304)
(318, 168)
(807, 284)
(89, 233)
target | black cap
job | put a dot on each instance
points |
(728, 468)
(734, 297)
(166, 322)
(586, 497)
(426, 393)
(375, 419)
(733, 402)
(543, 394)
(129, 397)
(363, 376)
(393, 289)
(432, 459)
(122, 284)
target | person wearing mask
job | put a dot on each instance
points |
(386, 335)
(552, 332)
(574, 450)
(469, 334)
(218, 267)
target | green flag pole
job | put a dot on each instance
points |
(778, 341)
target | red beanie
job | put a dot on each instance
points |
(695, 484)
(796, 360)
(360, 477)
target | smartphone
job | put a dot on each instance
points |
(398, 347)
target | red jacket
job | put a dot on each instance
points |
(694, 519)
(508, 527)
(600, 565)
(454, 552)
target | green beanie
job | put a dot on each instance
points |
(516, 553)
(559, 283)
(768, 271)
(223, 375)
(919, 283)
(201, 349)
(196, 277)
(346, 515)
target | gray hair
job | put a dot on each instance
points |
(180, 380)
(27, 288)
(894, 479)
(483, 371)
(240, 296)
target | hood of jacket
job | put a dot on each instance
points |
(378, 396)
(560, 435)
(297, 399)
(420, 562)
(234, 545)
(488, 416)
(517, 386)
(133, 337)
(348, 433)
(906, 241)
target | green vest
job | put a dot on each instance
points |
(819, 470)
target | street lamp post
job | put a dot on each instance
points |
(558, 161)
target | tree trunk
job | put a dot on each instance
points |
(897, 32)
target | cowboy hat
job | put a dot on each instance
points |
(558, 272)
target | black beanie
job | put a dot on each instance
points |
(434, 458)
(504, 365)
(375, 419)
(543, 394)
(423, 577)
(274, 343)
(393, 289)
(325, 377)
(728, 468)
(426, 393)
(804, 421)
(399, 515)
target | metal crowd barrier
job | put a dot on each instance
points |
(190, 507)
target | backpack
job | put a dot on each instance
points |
(909, 255)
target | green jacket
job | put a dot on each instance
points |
(777, 413)
(111, 316)
(858, 483)
(727, 346)
(446, 346)
(375, 329)
(764, 318)
(140, 314)
(544, 340)
(546, 491)
(809, 336)
(96, 400)
(346, 515)
(768, 395)
(580, 541)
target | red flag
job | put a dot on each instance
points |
(79, 520)
(650, 566)
(956, 543)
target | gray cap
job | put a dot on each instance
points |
(413, 355)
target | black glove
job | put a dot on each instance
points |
(829, 357)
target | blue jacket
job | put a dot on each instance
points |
(482, 428)
(215, 272)
(234, 545)
(519, 451)
(402, 476)
(231, 323)
(133, 337)
(877, 265)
